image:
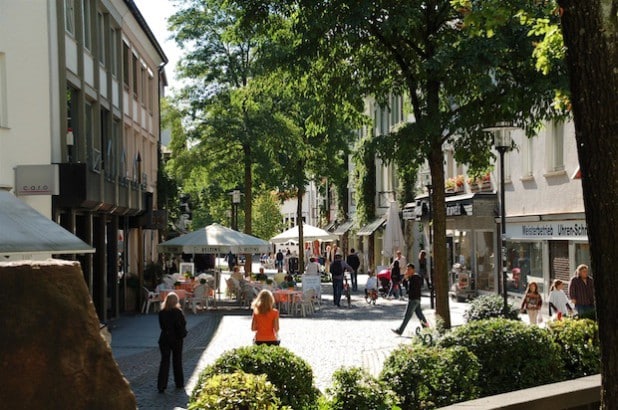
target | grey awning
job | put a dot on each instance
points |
(343, 228)
(371, 227)
(331, 226)
(26, 231)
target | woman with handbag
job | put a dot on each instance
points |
(173, 331)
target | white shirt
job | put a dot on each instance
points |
(312, 268)
(559, 299)
(372, 283)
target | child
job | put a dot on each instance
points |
(532, 303)
(265, 322)
(558, 300)
(371, 288)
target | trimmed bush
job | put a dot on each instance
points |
(236, 391)
(579, 345)
(354, 388)
(489, 306)
(290, 374)
(426, 377)
(513, 355)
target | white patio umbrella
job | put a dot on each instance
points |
(310, 233)
(214, 239)
(393, 235)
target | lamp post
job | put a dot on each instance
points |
(235, 202)
(502, 142)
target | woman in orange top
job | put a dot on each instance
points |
(265, 321)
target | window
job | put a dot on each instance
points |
(143, 79)
(87, 21)
(105, 143)
(102, 39)
(528, 257)
(126, 63)
(555, 150)
(69, 17)
(113, 54)
(528, 158)
(151, 93)
(135, 75)
(3, 96)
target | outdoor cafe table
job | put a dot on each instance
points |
(182, 295)
(286, 297)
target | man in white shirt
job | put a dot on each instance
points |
(312, 268)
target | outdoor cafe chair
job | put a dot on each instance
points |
(150, 298)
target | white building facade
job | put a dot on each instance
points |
(80, 82)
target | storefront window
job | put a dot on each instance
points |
(461, 250)
(485, 261)
(527, 258)
(582, 255)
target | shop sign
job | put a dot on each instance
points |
(36, 180)
(548, 230)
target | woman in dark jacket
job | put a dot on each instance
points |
(173, 330)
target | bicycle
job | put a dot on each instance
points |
(346, 290)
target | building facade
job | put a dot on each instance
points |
(80, 83)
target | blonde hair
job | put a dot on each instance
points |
(170, 302)
(580, 268)
(264, 302)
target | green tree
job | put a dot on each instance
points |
(267, 219)
(590, 30)
(458, 78)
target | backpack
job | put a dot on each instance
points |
(336, 270)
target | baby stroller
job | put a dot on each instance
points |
(384, 282)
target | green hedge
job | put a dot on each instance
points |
(236, 391)
(426, 377)
(489, 306)
(290, 374)
(579, 346)
(355, 388)
(513, 355)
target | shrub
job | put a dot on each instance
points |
(430, 376)
(236, 391)
(513, 355)
(290, 374)
(354, 388)
(579, 346)
(489, 306)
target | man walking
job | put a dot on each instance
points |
(354, 261)
(414, 300)
(337, 270)
(581, 292)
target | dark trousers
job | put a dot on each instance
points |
(175, 351)
(337, 289)
(354, 278)
(414, 306)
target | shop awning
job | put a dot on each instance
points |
(343, 228)
(371, 227)
(331, 226)
(25, 231)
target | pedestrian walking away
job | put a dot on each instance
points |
(173, 331)
(354, 261)
(337, 270)
(415, 283)
(265, 319)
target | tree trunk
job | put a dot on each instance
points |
(248, 198)
(590, 30)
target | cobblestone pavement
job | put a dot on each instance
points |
(333, 337)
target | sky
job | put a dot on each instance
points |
(156, 13)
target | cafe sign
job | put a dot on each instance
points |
(37, 180)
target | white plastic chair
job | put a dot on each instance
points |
(150, 298)
(200, 297)
(305, 305)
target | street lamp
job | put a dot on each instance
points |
(235, 202)
(502, 142)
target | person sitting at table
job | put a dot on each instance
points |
(312, 268)
(265, 319)
(163, 285)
